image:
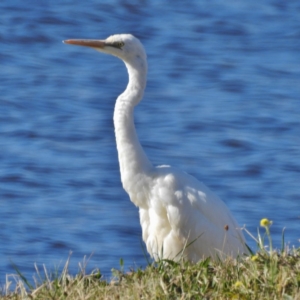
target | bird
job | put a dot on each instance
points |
(181, 218)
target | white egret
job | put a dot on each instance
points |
(180, 216)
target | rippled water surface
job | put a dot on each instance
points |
(222, 103)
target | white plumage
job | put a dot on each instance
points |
(179, 215)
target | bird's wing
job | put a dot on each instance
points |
(194, 213)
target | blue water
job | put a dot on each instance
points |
(222, 103)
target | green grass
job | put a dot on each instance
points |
(267, 274)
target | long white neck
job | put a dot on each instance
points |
(132, 158)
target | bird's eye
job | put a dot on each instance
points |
(118, 45)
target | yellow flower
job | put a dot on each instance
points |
(254, 257)
(265, 222)
(238, 285)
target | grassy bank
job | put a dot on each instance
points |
(267, 274)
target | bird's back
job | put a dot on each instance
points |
(178, 212)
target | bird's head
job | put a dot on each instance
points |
(125, 46)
